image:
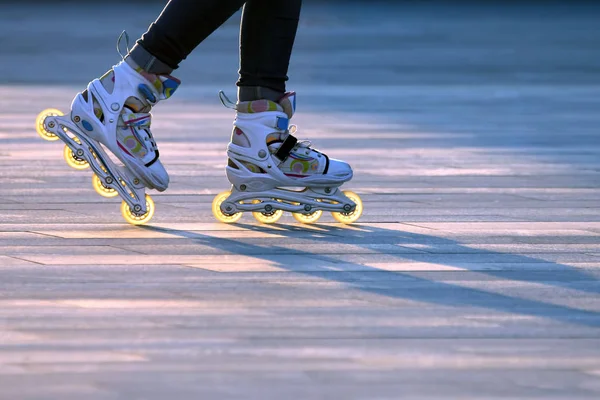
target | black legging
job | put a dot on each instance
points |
(267, 35)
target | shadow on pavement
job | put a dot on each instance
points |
(430, 291)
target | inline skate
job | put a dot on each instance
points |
(271, 171)
(113, 116)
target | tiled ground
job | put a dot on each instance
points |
(472, 275)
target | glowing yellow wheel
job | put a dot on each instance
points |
(73, 160)
(134, 219)
(219, 215)
(350, 217)
(269, 217)
(40, 127)
(101, 189)
(308, 218)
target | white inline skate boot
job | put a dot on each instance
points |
(272, 172)
(113, 114)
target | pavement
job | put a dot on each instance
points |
(473, 273)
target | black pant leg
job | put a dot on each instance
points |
(267, 35)
(183, 25)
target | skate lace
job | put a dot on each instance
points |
(149, 138)
(137, 122)
(125, 35)
(303, 144)
(225, 100)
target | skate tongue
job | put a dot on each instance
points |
(162, 85)
(169, 85)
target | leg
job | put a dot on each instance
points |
(267, 37)
(133, 87)
(112, 115)
(182, 26)
(265, 159)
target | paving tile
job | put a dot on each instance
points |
(6, 261)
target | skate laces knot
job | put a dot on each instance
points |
(303, 144)
(306, 145)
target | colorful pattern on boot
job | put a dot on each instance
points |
(303, 161)
(166, 85)
(302, 164)
(129, 138)
(133, 133)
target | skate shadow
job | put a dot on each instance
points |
(428, 247)
(425, 286)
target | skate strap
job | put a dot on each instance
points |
(139, 120)
(286, 147)
(282, 123)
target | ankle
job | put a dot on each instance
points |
(141, 59)
(150, 77)
(252, 93)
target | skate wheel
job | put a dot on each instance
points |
(270, 217)
(308, 218)
(216, 209)
(135, 219)
(102, 190)
(40, 126)
(73, 160)
(350, 217)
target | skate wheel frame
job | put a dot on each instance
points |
(135, 219)
(77, 161)
(352, 216)
(216, 209)
(40, 126)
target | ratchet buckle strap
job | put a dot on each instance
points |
(286, 147)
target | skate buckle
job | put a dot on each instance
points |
(286, 147)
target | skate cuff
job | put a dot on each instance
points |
(286, 147)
